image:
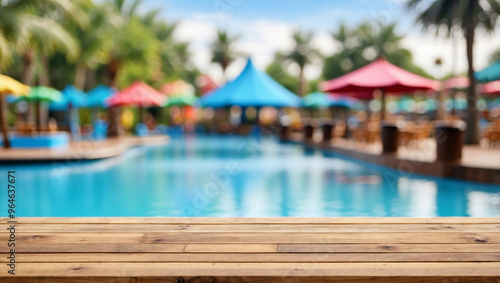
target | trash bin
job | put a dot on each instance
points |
(284, 130)
(308, 129)
(449, 140)
(327, 126)
(390, 137)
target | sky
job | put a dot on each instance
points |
(265, 27)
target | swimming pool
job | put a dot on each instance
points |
(239, 177)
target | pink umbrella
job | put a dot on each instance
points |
(137, 94)
(381, 75)
(456, 83)
(491, 88)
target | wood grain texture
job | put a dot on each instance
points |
(254, 250)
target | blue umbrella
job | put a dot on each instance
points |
(71, 97)
(251, 88)
(98, 96)
(490, 73)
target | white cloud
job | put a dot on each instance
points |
(427, 47)
(261, 38)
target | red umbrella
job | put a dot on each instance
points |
(491, 88)
(137, 94)
(456, 83)
(382, 75)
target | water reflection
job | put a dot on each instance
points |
(240, 177)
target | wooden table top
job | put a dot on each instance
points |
(253, 249)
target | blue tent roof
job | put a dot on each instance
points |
(98, 96)
(251, 88)
(72, 95)
(490, 73)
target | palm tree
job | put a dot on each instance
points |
(134, 52)
(301, 55)
(467, 15)
(95, 41)
(223, 50)
(133, 41)
(31, 28)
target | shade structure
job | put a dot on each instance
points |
(491, 88)
(8, 86)
(323, 100)
(97, 97)
(42, 93)
(137, 94)
(206, 84)
(181, 100)
(180, 93)
(380, 75)
(71, 98)
(489, 74)
(252, 88)
(457, 83)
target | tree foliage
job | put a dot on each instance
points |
(360, 45)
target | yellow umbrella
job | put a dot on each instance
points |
(8, 86)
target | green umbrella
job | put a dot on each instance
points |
(181, 100)
(40, 94)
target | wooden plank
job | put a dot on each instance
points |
(64, 238)
(256, 279)
(254, 257)
(252, 228)
(94, 248)
(230, 248)
(420, 238)
(280, 220)
(387, 248)
(254, 269)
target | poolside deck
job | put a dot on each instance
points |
(79, 150)
(477, 164)
(254, 250)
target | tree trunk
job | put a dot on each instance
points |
(472, 115)
(28, 68)
(80, 76)
(44, 76)
(301, 87)
(440, 111)
(39, 115)
(3, 120)
(113, 123)
(28, 76)
(224, 68)
(113, 112)
(382, 109)
(113, 68)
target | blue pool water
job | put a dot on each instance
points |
(238, 177)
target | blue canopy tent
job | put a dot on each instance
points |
(490, 73)
(97, 99)
(72, 98)
(252, 88)
(97, 96)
